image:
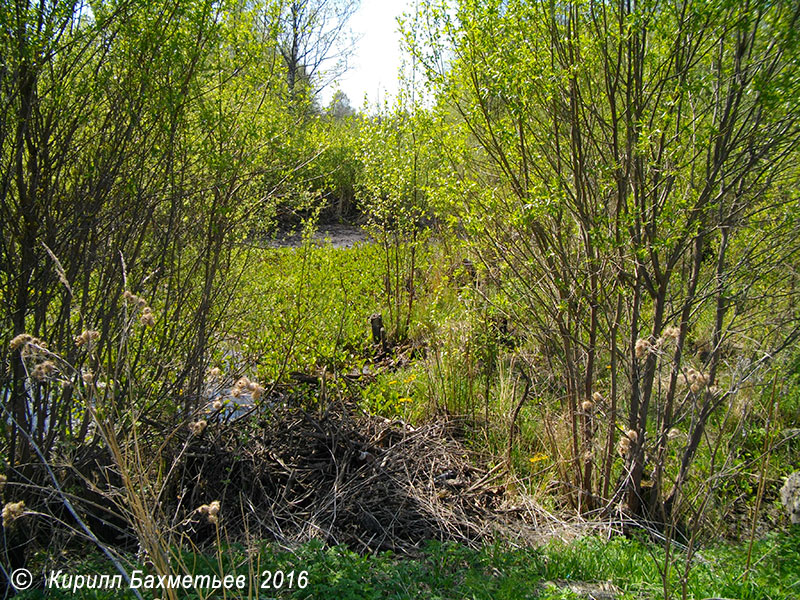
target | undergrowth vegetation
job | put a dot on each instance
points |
(555, 571)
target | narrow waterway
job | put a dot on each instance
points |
(338, 236)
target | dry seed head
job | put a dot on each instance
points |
(215, 373)
(140, 302)
(13, 511)
(597, 397)
(674, 434)
(243, 383)
(632, 435)
(86, 338)
(20, 341)
(699, 381)
(211, 511)
(256, 393)
(2, 482)
(623, 447)
(642, 348)
(198, 427)
(587, 405)
(34, 348)
(236, 392)
(217, 404)
(147, 318)
(672, 332)
(88, 377)
(44, 370)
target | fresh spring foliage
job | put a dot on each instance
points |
(581, 237)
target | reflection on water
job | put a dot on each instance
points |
(338, 236)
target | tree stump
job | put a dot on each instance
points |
(378, 331)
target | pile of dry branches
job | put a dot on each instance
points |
(346, 478)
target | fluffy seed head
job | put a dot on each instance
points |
(215, 373)
(146, 318)
(12, 511)
(674, 434)
(257, 391)
(20, 341)
(632, 435)
(642, 348)
(44, 370)
(2, 482)
(695, 376)
(217, 404)
(243, 383)
(86, 338)
(597, 397)
(699, 381)
(211, 511)
(198, 427)
(88, 377)
(672, 332)
(587, 405)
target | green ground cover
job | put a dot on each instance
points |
(627, 568)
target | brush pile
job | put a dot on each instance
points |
(346, 478)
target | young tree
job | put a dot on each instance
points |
(612, 154)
